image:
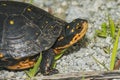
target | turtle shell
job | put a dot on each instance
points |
(26, 30)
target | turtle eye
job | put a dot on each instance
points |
(78, 26)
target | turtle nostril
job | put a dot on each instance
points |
(79, 27)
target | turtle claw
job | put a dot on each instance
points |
(51, 72)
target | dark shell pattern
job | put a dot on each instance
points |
(26, 30)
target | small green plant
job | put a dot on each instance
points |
(107, 28)
(105, 31)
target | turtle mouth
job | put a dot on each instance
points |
(77, 36)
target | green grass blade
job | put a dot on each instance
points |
(31, 1)
(83, 78)
(107, 50)
(32, 72)
(104, 27)
(60, 54)
(112, 27)
(114, 51)
(100, 63)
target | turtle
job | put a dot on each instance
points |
(27, 31)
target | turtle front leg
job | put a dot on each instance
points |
(47, 62)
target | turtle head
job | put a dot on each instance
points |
(71, 34)
(75, 30)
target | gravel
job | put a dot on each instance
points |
(80, 58)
